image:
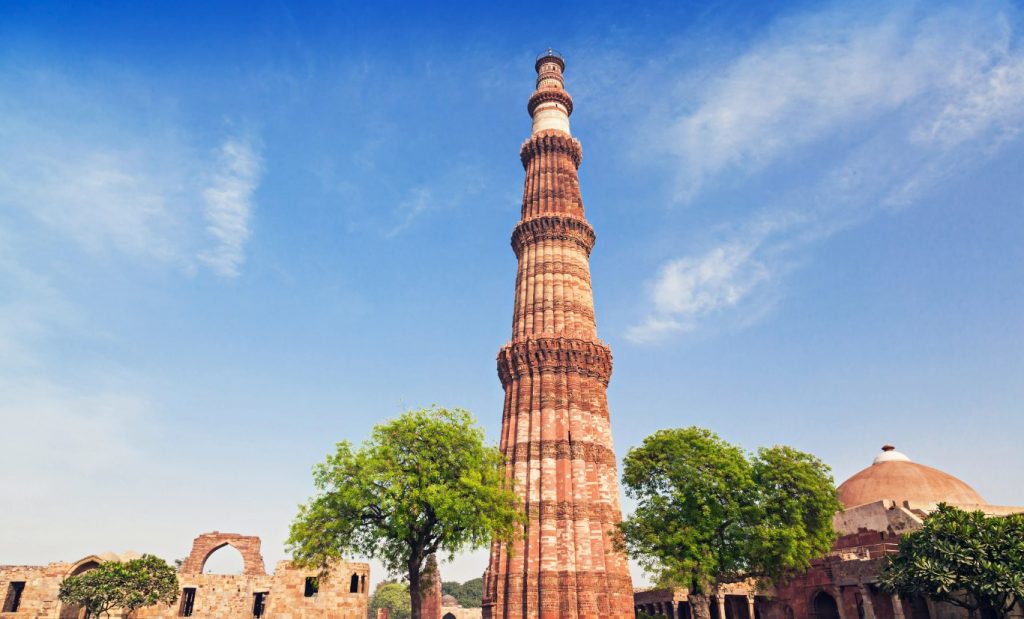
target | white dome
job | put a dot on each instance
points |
(889, 454)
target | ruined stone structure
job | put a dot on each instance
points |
(288, 593)
(430, 604)
(881, 503)
(555, 371)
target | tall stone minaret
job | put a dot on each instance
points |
(555, 432)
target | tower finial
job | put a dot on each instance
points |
(550, 106)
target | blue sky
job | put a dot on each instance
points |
(232, 235)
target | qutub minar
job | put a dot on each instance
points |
(555, 430)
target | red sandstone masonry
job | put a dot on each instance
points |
(555, 428)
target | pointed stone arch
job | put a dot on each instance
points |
(225, 559)
(84, 565)
(208, 543)
(77, 568)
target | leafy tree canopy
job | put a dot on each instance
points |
(127, 586)
(423, 483)
(962, 558)
(394, 597)
(470, 594)
(707, 512)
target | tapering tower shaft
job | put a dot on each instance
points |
(555, 429)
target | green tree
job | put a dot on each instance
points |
(394, 597)
(423, 483)
(707, 513)
(128, 586)
(962, 558)
(469, 594)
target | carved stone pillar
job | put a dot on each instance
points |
(720, 599)
(840, 603)
(750, 606)
(897, 607)
(869, 606)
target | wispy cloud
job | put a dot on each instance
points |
(883, 108)
(229, 205)
(691, 288)
(417, 202)
(451, 189)
(129, 180)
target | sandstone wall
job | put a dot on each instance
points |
(285, 594)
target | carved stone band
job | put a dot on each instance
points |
(570, 510)
(562, 450)
(551, 142)
(583, 357)
(567, 581)
(553, 227)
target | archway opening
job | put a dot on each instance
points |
(224, 560)
(78, 612)
(85, 567)
(825, 607)
(448, 616)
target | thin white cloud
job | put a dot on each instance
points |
(229, 205)
(451, 189)
(106, 169)
(689, 289)
(884, 109)
(417, 201)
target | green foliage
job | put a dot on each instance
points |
(127, 586)
(796, 500)
(470, 594)
(394, 597)
(962, 558)
(708, 513)
(423, 483)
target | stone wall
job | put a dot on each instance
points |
(39, 596)
(458, 612)
(288, 593)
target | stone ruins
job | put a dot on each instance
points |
(30, 592)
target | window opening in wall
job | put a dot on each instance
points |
(362, 583)
(259, 603)
(13, 599)
(188, 600)
(354, 585)
(312, 586)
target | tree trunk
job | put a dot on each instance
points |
(700, 606)
(414, 589)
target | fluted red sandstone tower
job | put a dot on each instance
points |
(555, 431)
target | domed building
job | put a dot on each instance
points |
(881, 503)
(894, 476)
